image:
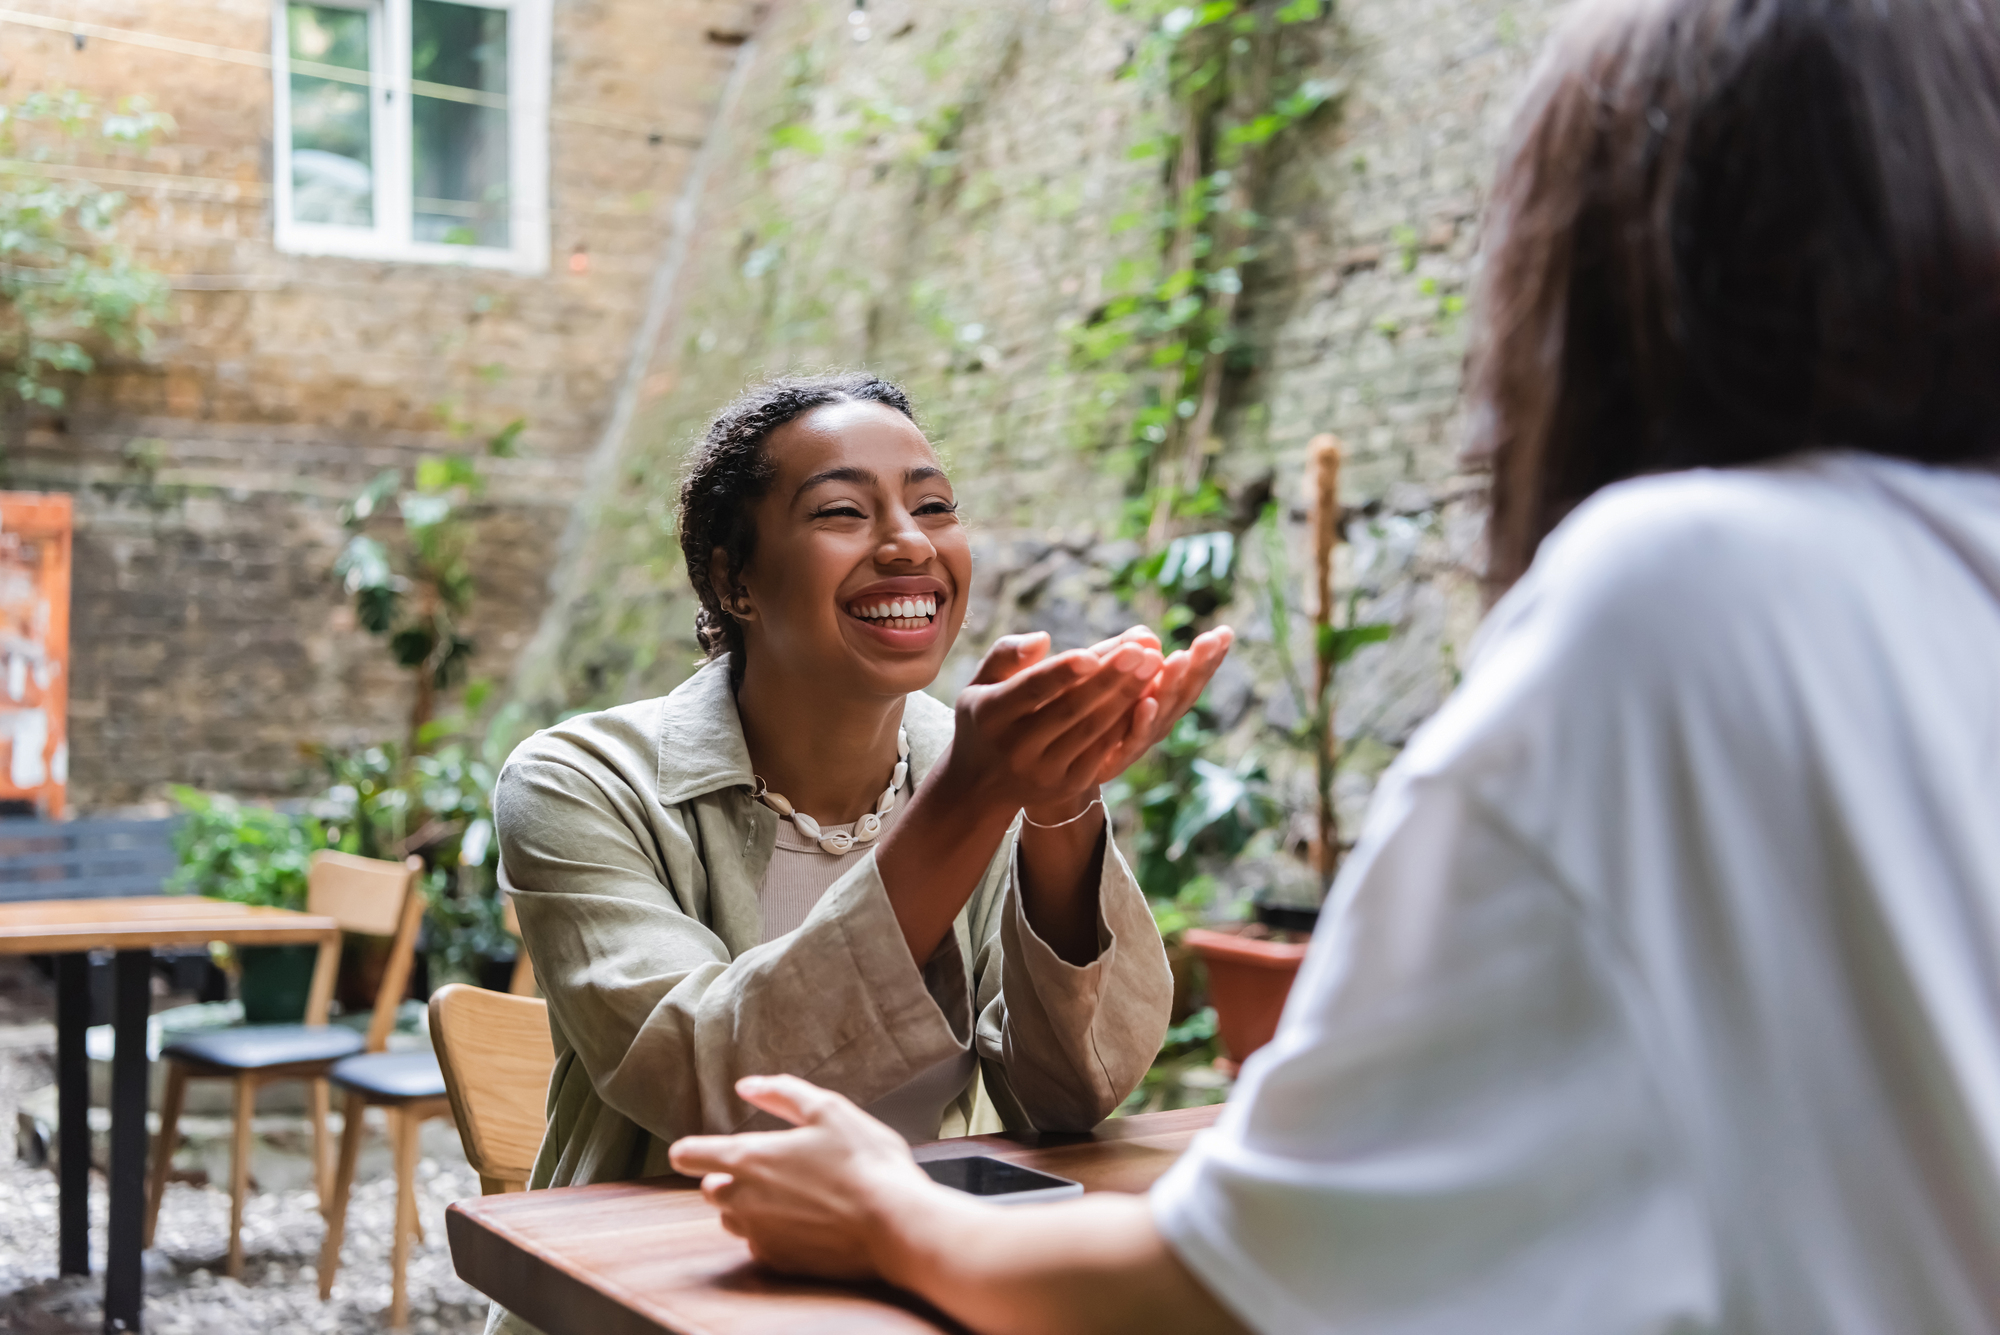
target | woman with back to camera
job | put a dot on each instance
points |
(1662, 992)
(796, 861)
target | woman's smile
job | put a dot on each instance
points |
(902, 613)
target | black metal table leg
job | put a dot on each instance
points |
(122, 1293)
(73, 1112)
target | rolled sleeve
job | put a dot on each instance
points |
(1066, 1043)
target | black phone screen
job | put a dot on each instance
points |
(980, 1176)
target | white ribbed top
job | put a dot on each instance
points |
(801, 871)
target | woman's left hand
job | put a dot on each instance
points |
(1183, 676)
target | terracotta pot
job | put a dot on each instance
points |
(1248, 981)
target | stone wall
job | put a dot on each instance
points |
(209, 638)
(937, 203)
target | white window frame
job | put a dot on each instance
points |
(528, 37)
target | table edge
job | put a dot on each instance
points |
(245, 924)
(525, 1291)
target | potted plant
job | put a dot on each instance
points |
(1193, 810)
(408, 568)
(1250, 970)
(1251, 966)
(252, 855)
(436, 804)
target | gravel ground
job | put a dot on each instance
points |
(186, 1291)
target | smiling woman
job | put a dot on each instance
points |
(798, 862)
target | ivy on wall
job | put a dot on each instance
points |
(1046, 220)
(1236, 81)
(66, 286)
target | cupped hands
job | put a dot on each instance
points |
(1041, 732)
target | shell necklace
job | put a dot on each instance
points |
(866, 830)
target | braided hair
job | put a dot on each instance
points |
(729, 471)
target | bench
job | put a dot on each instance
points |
(84, 859)
(101, 858)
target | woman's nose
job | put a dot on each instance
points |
(904, 541)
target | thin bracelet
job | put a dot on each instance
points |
(1094, 802)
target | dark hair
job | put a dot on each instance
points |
(728, 471)
(1727, 230)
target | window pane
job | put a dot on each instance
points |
(458, 69)
(333, 179)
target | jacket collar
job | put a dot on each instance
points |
(701, 736)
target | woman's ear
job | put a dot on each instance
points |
(733, 597)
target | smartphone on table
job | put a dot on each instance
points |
(1001, 1182)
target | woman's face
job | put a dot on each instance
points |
(858, 576)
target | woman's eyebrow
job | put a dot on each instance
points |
(859, 476)
(919, 474)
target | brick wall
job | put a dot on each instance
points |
(942, 211)
(209, 639)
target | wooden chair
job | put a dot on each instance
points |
(496, 1056)
(363, 895)
(411, 1087)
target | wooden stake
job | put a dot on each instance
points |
(1323, 456)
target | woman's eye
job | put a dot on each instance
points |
(838, 512)
(937, 508)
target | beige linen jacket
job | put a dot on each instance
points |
(634, 851)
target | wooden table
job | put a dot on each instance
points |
(652, 1258)
(69, 929)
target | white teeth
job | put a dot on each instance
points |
(912, 610)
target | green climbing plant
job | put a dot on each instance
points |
(406, 565)
(68, 290)
(1235, 79)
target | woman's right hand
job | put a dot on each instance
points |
(1032, 729)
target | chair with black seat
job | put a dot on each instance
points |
(409, 1087)
(364, 895)
(413, 1088)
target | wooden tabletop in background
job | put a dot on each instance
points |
(61, 926)
(652, 1258)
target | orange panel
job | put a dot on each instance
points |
(34, 648)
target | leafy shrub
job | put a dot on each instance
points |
(243, 852)
(439, 805)
(1191, 809)
(65, 285)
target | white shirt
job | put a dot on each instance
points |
(1663, 990)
